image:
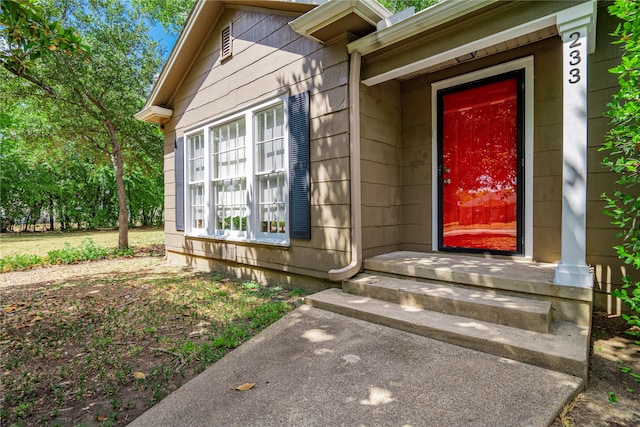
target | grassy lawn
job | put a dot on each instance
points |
(29, 243)
(102, 343)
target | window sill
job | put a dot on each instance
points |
(260, 242)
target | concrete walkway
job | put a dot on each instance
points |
(316, 368)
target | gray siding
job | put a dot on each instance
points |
(268, 57)
(380, 165)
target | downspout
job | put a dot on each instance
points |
(353, 268)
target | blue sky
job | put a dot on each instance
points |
(166, 40)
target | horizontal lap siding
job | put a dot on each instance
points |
(547, 196)
(547, 151)
(380, 129)
(416, 165)
(169, 187)
(268, 57)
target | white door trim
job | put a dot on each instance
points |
(522, 63)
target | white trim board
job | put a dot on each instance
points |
(527, 64)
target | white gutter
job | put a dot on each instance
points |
(426, 19)
(353, 268)
(330, 12)
(474, 46)
(154, 114)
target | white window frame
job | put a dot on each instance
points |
(194, 183)
(527, 65)
(253, 232)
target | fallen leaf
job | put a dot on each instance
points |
(139, 375)
(101, 418)
(245, 387)
(11, 308)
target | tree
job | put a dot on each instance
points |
(171, 14)
(28, 37)
(623, 147)
(398, 5)
(93, 92)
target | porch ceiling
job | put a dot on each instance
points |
(427, 42)
(490, 50)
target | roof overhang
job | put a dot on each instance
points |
(154, 114)
(201, 21)
(432, 17)
(447, 13)
(338, 17)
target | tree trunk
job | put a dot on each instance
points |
(118, 162)
(51, 221)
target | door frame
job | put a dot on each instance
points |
(527, 65)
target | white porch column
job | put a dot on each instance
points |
(574, 25)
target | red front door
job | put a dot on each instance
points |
(479, 146)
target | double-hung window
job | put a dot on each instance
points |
(196, 168)
(270, 175)
(239, 171)
(229, 177)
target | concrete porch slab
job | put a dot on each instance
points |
(317, 368)
(494, 273)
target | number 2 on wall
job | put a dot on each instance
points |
(574, 57)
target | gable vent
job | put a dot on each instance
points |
(225, 47)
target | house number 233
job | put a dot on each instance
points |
(574, 57)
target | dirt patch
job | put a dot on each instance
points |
(612, 397)
(99, 343)
(147, 257)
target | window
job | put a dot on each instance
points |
(228, 177)
(239, 171)
(196, 181)
(270, 170)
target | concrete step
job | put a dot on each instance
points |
(501, 274)
(564, 349)
(479, 304)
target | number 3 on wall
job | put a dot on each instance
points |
(574, 57)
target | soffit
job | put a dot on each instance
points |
(491, 50)
(335, 18)
(394, 52)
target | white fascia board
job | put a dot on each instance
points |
(502, 36)
(588, 10)
(326, 14)
(426, 19)
(371, 11)
(154, 114)
(184, 34)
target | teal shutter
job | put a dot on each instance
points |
(299, 174)
(178, 152)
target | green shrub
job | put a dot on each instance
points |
(88, 251)
(19, 262)
(623, 147)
